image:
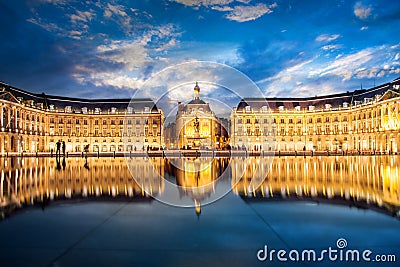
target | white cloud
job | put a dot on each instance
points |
(119, 13)
(54, 2)
(50, 27)
(206, 3)
(81, 16)
(75, 35)
(134, 54)
(345, 67)
(222, 8)
(364, 28)
(327, 37)
(361, 11)
(242, 12)
(127, 60)
(331, 47)
(304, 78)
(247, 13)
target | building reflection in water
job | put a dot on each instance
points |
(361, 181)
(196, 177)
(30, 180)
(367, 181)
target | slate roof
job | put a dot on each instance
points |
(335, 100)
(77, 104)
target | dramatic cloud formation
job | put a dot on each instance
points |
(112, 48)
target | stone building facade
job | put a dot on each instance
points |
(363, 120)
(35, 122)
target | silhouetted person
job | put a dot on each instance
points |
(63, 147)
(58, 167)
(86, 165)
(64, 164)
(86, 149)
(58, 145)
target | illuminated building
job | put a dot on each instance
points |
(35, 122)
(363, 120)
(196, 125)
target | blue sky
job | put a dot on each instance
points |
(96, 49)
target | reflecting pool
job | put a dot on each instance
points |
(362, 181)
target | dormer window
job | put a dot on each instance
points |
(51, 107)
(68, 109)
(297, 108)
(97, 110)
(129, 110)
(264, 109)
(84, 110)
(113, 110)
(367, 100)
(345, 105)
(328, 106)
(248, 108)
(146, 109)
(311, 108)
(281, 108)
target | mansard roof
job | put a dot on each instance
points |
(76, 104)
(334, 100)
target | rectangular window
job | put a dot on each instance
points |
(327, 129)
(345, 128)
